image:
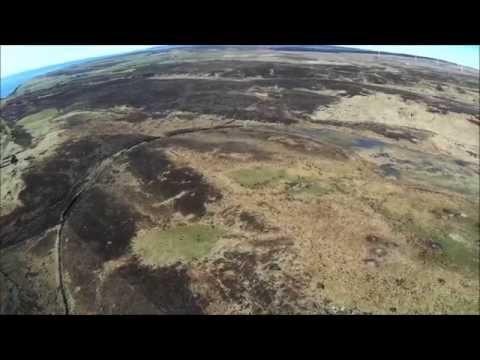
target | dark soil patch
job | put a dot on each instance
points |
(401, 161)
(134, 117)
(433, 170)
(350, 89)
(237, 279)
(434, 246)
(135, 289)
(200, 192)
(243, 265)
(275, 242)
(50, 185)
(77, 157)
(389, 170)
(391, 132)
(375, 79)
(219, 97)
(43, 198)
(21, 136)
(45, 245)
(474, 120)
(231, 69)
(162, 179)
(21, 299)
(75, 120)
(300, 143)
(104, 222)
(81, 270)
(148, 164)
(472, 154)
(371, 262)
(461, 163)
(251, 222)
(160, 97)
(439, 77)
(435, 104)
(44, 189)
(377, 241)
(226, 147)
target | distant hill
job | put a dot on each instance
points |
(341, 49)
(310, 48)
(10, 83)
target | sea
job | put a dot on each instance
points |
(8, 84)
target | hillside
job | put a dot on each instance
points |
(230, 180)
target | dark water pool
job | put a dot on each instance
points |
(390, 170)
(366, 143)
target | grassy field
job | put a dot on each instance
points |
(181, 243)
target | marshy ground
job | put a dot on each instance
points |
(242, 181)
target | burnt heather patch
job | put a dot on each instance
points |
(255, 282)
(50, 186)
(393, 132)
(161, 178)
(135, 289)
(226, 147)
(106, 192)
(104, 222)
(222, 96)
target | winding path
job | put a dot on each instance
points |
(88, 182)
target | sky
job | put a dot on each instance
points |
(18, 58)
(467, 55)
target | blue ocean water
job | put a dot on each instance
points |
(8, 84)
